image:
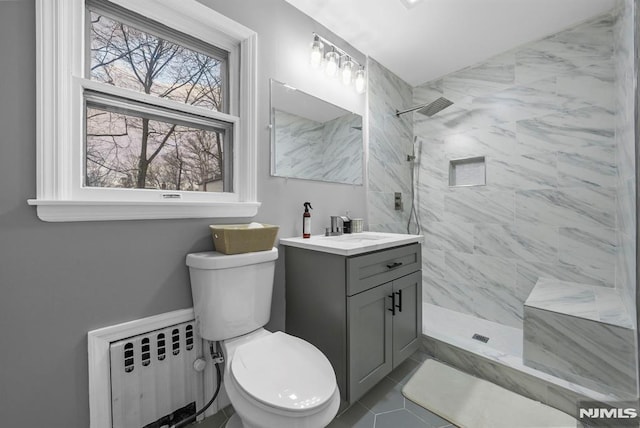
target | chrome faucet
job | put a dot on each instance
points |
(337, 225)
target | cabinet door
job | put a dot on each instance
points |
(407, 322)
(370, 341)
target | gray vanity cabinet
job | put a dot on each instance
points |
(364, 312)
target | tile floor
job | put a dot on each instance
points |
(382, 407)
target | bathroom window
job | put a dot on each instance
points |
(150, 115)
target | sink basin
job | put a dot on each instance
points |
(354, 237)
(351, 244)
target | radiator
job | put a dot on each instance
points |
(153, 382)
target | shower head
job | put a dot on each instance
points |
(428, 109)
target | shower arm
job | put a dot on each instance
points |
(398, 113)
(428, 109)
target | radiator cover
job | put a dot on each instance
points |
(141, 373)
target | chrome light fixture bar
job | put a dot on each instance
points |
(337, 62)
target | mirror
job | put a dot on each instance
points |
(312, 139)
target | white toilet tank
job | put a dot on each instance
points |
(231, 293)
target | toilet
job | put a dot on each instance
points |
(271, 379)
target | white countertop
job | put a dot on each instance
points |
(350, 244)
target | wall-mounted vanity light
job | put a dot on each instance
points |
(337, 62)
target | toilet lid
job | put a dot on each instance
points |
(284, 371)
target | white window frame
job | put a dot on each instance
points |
(60, 61)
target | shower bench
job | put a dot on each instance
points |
(580, 333)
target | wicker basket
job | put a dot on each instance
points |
(243, 238)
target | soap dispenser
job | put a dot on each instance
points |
(306, 221)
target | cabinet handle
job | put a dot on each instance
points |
(399, 305)
(394, 265)
(392, 296)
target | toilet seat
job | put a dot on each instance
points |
(283, 372)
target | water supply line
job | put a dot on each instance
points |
(217, 358)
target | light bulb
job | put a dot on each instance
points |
(331, 66)
(360, 81)
(347, 71)
(316, 52)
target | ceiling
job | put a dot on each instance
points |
(437, 37)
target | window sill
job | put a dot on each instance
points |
(66, 211)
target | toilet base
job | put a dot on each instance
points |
(234, 422)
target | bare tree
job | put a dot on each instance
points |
(123, 146)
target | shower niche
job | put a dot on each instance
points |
(467, 172)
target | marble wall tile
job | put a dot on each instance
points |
(564, 297)
(451, 236)
(438, 289)
(495, 140)
(598, 355)
(472, 206)
(432, 170)
(626, 272)
(493, 75)
(427, 92)
(572, 299)
(625, 207)
(589, 130)
(625, 137)
(563, 53)
(388, 227)
(490, 285)
(390, 140)
(382, 211)
(430, 204)
(625, 143)
(528, 274)
(566, 400)
(591, 247)
(386, 87)
(611, 307)
(541, 59)
(523, 172)
(390, 177)
(449, 121)
(593, 39)
(518, 242)
(535, 99)
(583, 207)
(584, 169)
(593, 85)
(433, 266)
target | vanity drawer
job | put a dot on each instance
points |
(369, 270)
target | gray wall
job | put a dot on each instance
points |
(543, 115)
(61, 280)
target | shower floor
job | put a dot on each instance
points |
(458, 329)
(504, 349)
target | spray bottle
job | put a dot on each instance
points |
(306, 221)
